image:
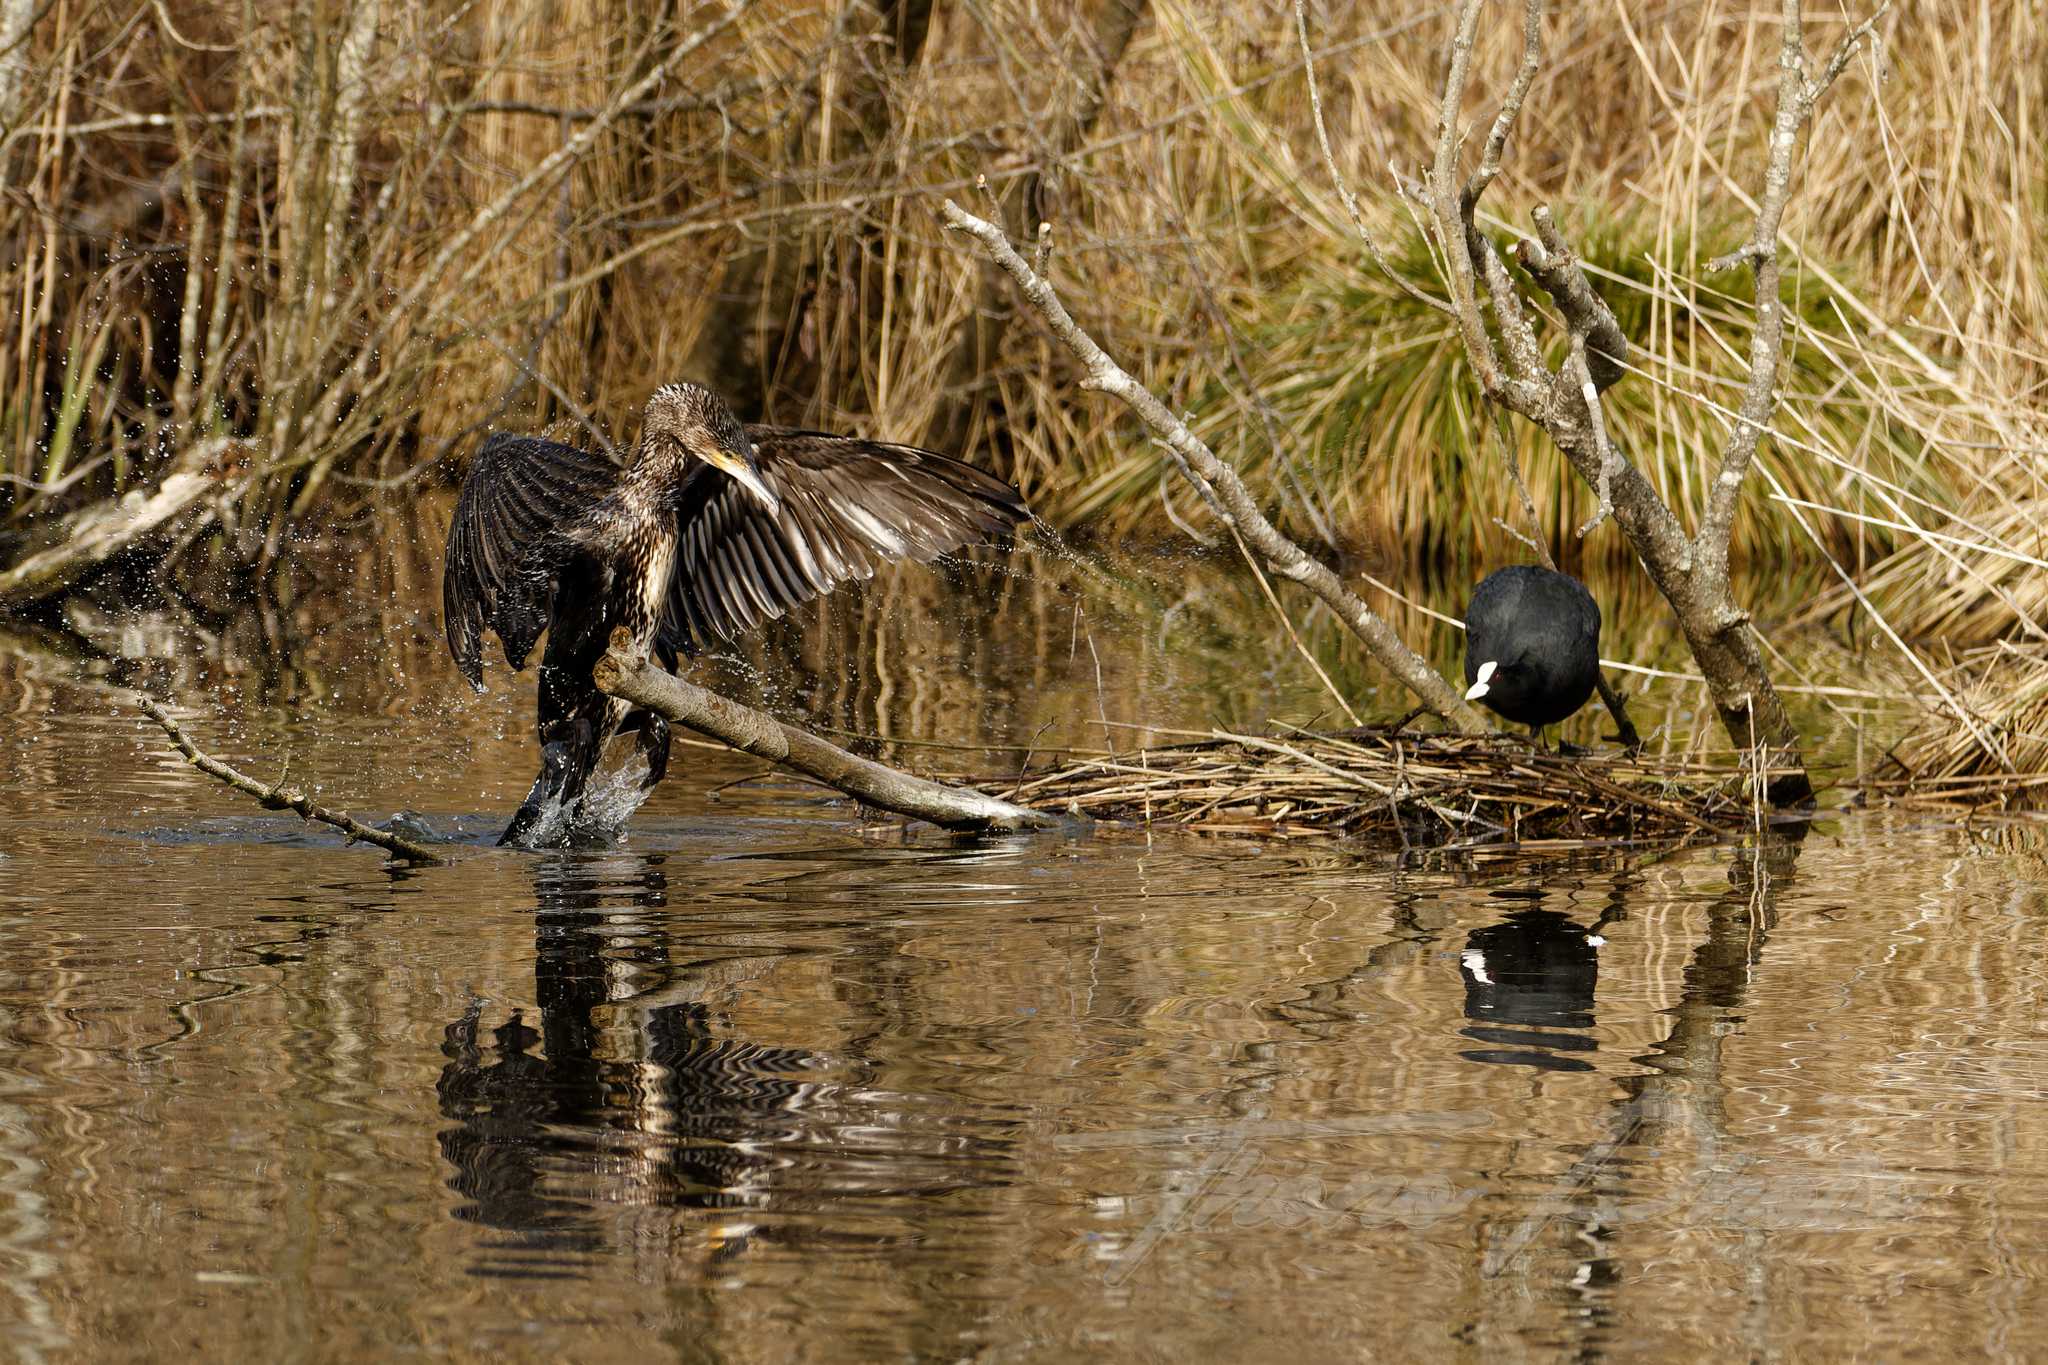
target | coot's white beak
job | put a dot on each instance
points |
(1479, 688)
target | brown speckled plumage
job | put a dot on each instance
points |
(712, 528)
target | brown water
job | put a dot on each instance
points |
(764, 1083)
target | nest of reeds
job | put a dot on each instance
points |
(1380, 783)
(1999, 756)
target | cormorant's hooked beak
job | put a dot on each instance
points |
(1485, 677)
(745, 470)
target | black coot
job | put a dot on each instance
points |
(1532, 645)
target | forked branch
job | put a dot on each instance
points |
(1690, 570)
(1796, 96)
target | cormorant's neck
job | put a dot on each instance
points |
(654, 470)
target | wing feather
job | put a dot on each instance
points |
(848, 506)
(495, 573)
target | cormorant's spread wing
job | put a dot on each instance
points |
(848, 506)
(519, 488)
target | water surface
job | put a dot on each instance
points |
(765, 1082)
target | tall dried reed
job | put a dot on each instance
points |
(353, 236)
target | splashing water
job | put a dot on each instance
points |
(608, 803)
(597, 821)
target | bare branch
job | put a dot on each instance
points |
(1586, 314)
(1240, 509)
(631, 677)
(1525, 391)
(1511, 107)
(1453, 215)
(276, 796)
(1315, 101)
(1846, 50)
(1796, 96)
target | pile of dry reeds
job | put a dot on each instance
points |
(1389, 785)
(2001, 757)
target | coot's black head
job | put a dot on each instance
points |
(1522, 690)
(1532, 644)
(687, 421)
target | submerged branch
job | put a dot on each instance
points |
(281, 797)
(633, 678)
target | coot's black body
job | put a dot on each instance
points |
(713, 527)
(1540, 631)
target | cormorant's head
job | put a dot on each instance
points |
(685, 421)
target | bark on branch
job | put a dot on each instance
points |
(277, 796)
(633, 678)
(1549, 259)
(1231, 498)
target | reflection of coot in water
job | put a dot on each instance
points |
(1526, 977)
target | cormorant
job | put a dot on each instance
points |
(1532, 645)
(713, 527)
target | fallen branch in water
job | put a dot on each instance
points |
(633, 678)
(143, 518)
(280, 797)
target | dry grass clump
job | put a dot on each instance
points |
(2005, 689)
(1981, 574)
(1387, 785)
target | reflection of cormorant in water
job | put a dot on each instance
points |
(684, 1127)
(627, 1106)
(1527, 977)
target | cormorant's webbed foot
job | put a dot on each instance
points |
(652, 741)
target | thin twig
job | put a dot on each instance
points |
(1315, 101)
(276, 796)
